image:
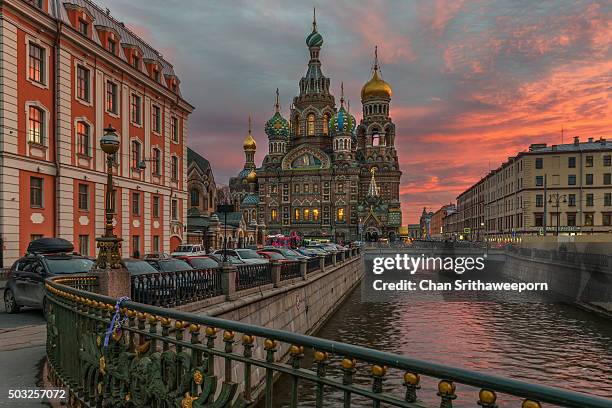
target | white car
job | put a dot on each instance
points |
(247, 256)
(189, 250)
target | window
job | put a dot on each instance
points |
(326, 124)
(315, 188)
(296, 214)
(83, 139)
(174, 129)
(571, 180)
(174, 168)
(589, 200)
(274, 215)
(589, 179)
(155, 206)
(606, 219)
(539, 200)
(306, 188)
(84, 245)
(136, 246)
(112, 46)
(36, 192)
(195, 198)
(135, 109)
(156, 162)
(571, 200)
(296, 124)
(34, 237)
(136, 204)
(539, 181)
(156, 75)
(174, 209)
(296, 188)
(539, 163)
(607, 160)
(310, 126)
(607, 199)
(538, 220)
(340, 215)
(156, 119)
(36, 125)
(588, 219)
(84, 27)
(83, 197)
(36, 71)
(607, 178)
(306, 214)
(135, 61)
(83, 83)
(156, 243)
(571, 162)
(111, 97)
(315, 214)
(135, 154)
(571, 219)
(588, 161)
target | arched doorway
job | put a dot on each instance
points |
(174, 242)
(372, 234)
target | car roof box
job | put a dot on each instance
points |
(50, 246)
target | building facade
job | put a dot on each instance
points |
(437, 221)
(325, 175)
(563, 188)
(70, 70)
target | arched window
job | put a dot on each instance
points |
(36, 125)
(311, 124)
(340, 215)
(195, 197)
(376, 140)
(298, 130)
(326, 124)
(83, 139)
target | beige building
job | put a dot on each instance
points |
(565, 189)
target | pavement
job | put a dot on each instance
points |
(22, 350)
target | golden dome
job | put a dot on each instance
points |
(251, 177)
(376, 88)
(249, 143)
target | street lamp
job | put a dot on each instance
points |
(555, 199)
(109, 246)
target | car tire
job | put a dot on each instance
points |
(10, 304)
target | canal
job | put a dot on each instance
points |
(548, 343)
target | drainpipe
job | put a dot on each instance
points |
(56, 53)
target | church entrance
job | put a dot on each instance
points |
(372, 234)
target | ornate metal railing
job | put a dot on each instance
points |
(249, 276)
(176, 288)
(313, 264)
(328, 259)
(166, 358)
(290, 270)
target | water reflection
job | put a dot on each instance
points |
(548, 343)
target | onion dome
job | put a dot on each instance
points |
(277, 126)
(314, 39)
(376, 87)
(251, 177)
(342, 121)
(249, 143)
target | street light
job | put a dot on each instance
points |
(555, 199)
(109, 246)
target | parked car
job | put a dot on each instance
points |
(231, 258)
(189, 250)
(44, 258)
(307, 252)
(156, 255)
(200, 262)
(318, 250)
(169, 264)
(286, 252)
(273, 256)
(248, 256)
(138, 266)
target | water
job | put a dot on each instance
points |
(547, 343)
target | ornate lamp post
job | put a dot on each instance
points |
(555, 199)
(109, 245)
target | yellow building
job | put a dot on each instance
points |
(565, 189)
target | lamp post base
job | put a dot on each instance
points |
(109, 253)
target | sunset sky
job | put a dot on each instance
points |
(474, 81)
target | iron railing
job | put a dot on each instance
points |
(290, 270)
(249, 276)
(328, 259)
(165, 358)
(176, 288)
(313, 264)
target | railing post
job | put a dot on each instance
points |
(228, 280)
(114, 282)
(303, 268)
(342, 255)
(334, 258)
(276, 273)
(322, 263)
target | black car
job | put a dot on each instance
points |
(169, 264)
(45, 257)
(138, 266)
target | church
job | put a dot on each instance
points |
(325, 176)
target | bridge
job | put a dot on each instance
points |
(162, 351)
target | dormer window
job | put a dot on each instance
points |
(156, 75)
(84, 27)
(136, 61)
(112, 46)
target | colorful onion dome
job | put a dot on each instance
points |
(314, 39)
(252, 177)
(376, 87)
(249, 143)
(277, 126)
(342, 121)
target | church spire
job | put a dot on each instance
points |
(314, 19)
(277, 104)
(342, 94)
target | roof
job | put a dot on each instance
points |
(233, 218)
(196, 158)
(251, 199)
(103, 18)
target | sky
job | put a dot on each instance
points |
(474, 82)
